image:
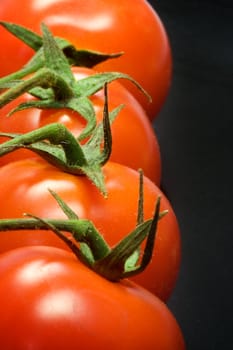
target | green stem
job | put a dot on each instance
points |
(57, 134)
(20, 74)
(81, 230)
(45, 78)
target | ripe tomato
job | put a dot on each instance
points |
(134, 141)
(61, 304)
(24, 189)
(108, 26)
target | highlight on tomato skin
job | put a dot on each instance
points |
(61, 304)
(135, 143)
(102, 26)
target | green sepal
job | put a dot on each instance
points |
(33, 40)
(76, 57)
(85, 250)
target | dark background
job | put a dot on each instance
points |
(195, 133)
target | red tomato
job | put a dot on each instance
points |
(107, 26)
(134, 141)
(61, 304)
(24, 189)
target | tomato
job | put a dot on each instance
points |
(107, 26)
(61, 304)
(140, 151)
(24, 189)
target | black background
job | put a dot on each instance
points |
(195, 133)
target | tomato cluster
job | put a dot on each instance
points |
(90, 246)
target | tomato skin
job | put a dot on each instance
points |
(102, 26)
(135, 143)
(24, 189)
(61, 304)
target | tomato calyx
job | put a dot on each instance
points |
(58, 146)
(54, 85)
(124, 260)
(76, 57)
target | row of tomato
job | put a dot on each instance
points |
(59, 301)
